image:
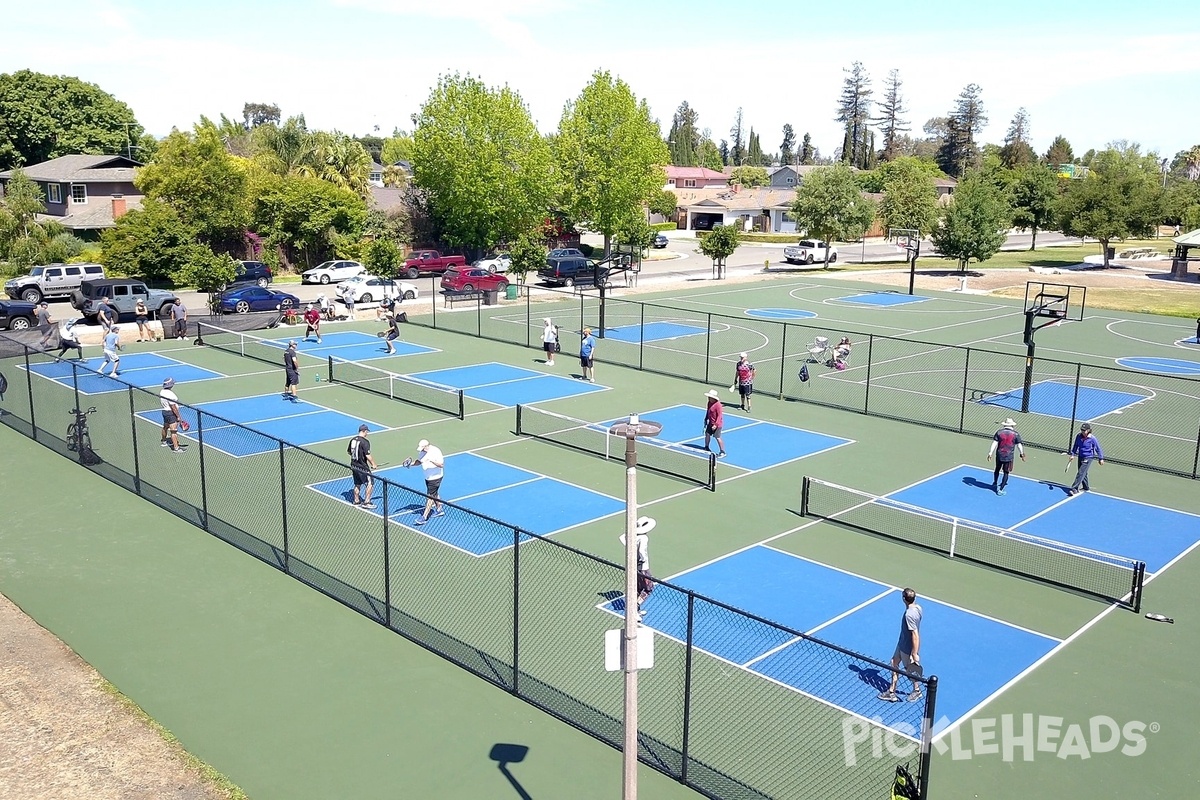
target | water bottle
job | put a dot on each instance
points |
(317, 377)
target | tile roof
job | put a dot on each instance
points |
(95, 215)
(679, 173)
(81, 169)
(753, 199)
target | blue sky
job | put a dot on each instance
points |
(1094, 72)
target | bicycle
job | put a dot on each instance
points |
(79, 439)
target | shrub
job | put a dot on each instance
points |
(586, 249)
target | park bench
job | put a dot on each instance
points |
(1138, 252)
(449, 298)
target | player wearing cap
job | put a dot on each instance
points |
(362, 464)
(645, 581)
(549, 340)
(291, 372)
(714, 421)
(312, 322)
(170, 415)
(743, 377)
(1087, 447)
(1005, 445)
(430, 459)
(587, 351)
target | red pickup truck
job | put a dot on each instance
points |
(430, 261)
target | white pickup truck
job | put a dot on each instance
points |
(809, 251)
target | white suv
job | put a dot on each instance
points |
(51, 281)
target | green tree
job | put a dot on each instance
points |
(23, 200)
(256, 114)
(1120, 198)
(1181, 204)
(754, 153)
(684, 138)
(382, 258)
(974, 225)
(709, 155)
(527, 254)
(909, 195)
(720, 243)
(854, 111)
(807, 151)
(205, 185)
(737, 146)
(609, 152)
(1017, 152)
(301, 215)
(487, 173)
(787, 148)
(959, 151)
(47, 116)
(1060, 152)
(397, 147)
(208, 272)
(664, 203)
(891, 121)
(829, 205)
(1034, 192)
(339, 159)
(152, 242)
(749, 177)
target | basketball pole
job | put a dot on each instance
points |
(1028, 386)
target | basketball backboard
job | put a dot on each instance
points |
(1055, 301)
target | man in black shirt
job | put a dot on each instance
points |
(291, 369)
(361, 466)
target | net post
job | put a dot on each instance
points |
(642, 345)
(137, 467)
(329, 375)
(804, 496)
(927, 734)
(33, 414)
(1195, 458)
(712, 472)
(462, 404)
(953, 536)
(519, 428)
(528, 329)
(1139, 581)
(687, 687)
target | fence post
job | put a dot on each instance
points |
(867, 388)
(783, 359)
(962, 412)
(433, 300)
(203, 475)
(687, 687)
(927, 734)
(642, 336)
(137, 469)
(516, 606)
(707, 344)
(287, 567)
(1195, 458)
(479, 315)
(29, 388)
(387, 560)
(528, 332)
(1075, 401)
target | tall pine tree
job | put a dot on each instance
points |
(806, 149)
(1017, 151)
(854, 110)
(890, 120)
(959, 152)
(684, 139)
(1060, 152)
(737, 147)
(787, 149)
(754, 153)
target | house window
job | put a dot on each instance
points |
(689, 183)
(53, 193)
(791, 180)
(79, 193)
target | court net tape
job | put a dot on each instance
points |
(1112, 578)
(674, 460)
(394, 386)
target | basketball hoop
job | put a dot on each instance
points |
(902, 242)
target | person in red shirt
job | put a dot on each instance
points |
(714, 420)
(743, 379)
(312, 318)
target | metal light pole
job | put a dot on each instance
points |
(631, 429)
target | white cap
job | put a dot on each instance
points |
(1008, 423)
(421, 445)
(742, 355)
(546, 320)
(713, 394)
(642, 527)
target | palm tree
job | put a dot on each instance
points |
(284, 149)
(1191, 160)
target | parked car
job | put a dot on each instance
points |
(566, 252)
(496, 263)
(332, 272)
(471, 279)
(570, 270)
(430, 261)
(17, 315)
(371, 289)
(255, 298)
(124, 293)
(809, 251)
(51, 281)
(661, 240)
(252, 273)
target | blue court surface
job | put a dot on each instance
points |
(348, 346)
(299, 422)
(138, 369)
(973, 656)
(1163, 366)
(654, 332)
(750, 444)
(884, 299)
(1056, 399)
(506, 385)
(778, 313)
(518, 497)
(1094, 521)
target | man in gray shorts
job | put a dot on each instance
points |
(907, 649)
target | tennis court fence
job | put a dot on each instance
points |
(952, 387)
(530, 617)
(1112, 578)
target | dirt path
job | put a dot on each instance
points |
(65, 734)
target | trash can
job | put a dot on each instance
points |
(1111, 254)
(510, 292)
(491, 298)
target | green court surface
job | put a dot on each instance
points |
(294, 695)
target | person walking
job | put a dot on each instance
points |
(67, 339)
(362, 464)
(645, 581)
(743, 378)
(908, 649)
(326, 307)
(1005, 445)
(140, 315)
(391, 333)
(45, 324)
(714, 421)
(430, 459)
(587, 352)
(1087, 448)
(291, 372)
(312, 322)
(549, 341)
(112, 348)
(179, 314)
(170, 416)
(106, 314)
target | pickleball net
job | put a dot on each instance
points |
(677, 461)
(1115, 579)
(394, 386)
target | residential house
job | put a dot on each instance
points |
(694, 178)
(945, 188)
(84, 194)
(789, 176)
(375, 174)
(764, 209)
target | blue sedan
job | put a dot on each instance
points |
(256, 298)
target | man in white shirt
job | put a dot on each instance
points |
(430, 459)
(170, 414)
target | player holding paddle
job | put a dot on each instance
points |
(172, 419)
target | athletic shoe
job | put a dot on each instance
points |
(1071, 492)
(165, 443)
(1001, 492)
(721, 454)
(420, 521)
(889, 696)
(440, 513)
(914, 695)
(176, 449)
(368, 504)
